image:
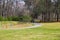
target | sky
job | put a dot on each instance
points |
(53, 0)
(22, 2)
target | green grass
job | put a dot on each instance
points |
(48, 31)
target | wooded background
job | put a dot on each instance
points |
(43, 10)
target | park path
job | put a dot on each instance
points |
(35, 25)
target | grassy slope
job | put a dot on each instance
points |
(49, 31)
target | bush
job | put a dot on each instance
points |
(36, 20)
(1, 18)
(14, 18)
(9, 18)
(20, 18)
(5, 19)
(26, 18)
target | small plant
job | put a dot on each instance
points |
(14, 18)
(1, 18)
(36, 20)
(26, 18)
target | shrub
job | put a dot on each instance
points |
(26, 18)
(36, 20)
(14, 18)
(1, 18)
(9, 18)
(5, 19)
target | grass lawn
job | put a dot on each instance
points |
(48, 31)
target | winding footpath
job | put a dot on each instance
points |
(35, 25)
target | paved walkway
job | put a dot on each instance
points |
(35, 25)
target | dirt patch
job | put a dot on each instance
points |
(7, 25)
